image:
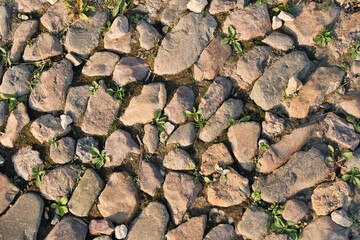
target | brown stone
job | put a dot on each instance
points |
(8, 192)
(46, 46)
(56, 17)
(218, 6)
(193, 229)
(216, 154)
(294, 211)
(182, 100)
(324, 228)
(150, 178)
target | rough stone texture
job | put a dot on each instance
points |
(22, 220)
(182, 46)
(47, 127)
(178, 159)
(25, 160)
(231, 108)
(322, 82)
(76, 101)
(150, 224)
(182, 100)
(17, 120)
(268, 89)
(50, 95)
(16, 80)
(244, 142)
(150, 179)
(8, 192)
(119, 45)
(112, 203)
(303, 170)
(130, 69)
(216, 154)
(341, 131)
(100, 113)
(101, 226)
(142, 108)
(233, 192)
(350, 104)
(69, 228)
(4, 21)
(121, 232)
(28, 6)
(324, 229)
(196, 5)
(193, 229)
(279, 41)
(218, 6)
(149, 36)
(64, 152)
(341, 218)
(96, 66)
(45, 46)
(183, 135)
(251, 22)
(221, 231)
(294, 210)
(151, 138)
(180, 191)
(56, 18)
(85, 194)
(59, 182)
(254, 223)
(280, 153)
(75, 60)
(173, 12)
(211, 60)
(217, 93)
(117, 147)
(82, 148)
(119, 27)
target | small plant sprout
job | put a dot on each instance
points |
(107, 27)
(263, 144)
(37, 174)
(257, 195)
(231, 40)
(53, 142)
(355, 122)
(12, 99)
(30, 42)
(80, 173)
(118, 94)
(137, 17)
(5, 59)
(60, 205)
(255, 160)
(336, 161)
(284, 8)
(80, 7)
(119, 6)
(353, 176)
(288, 96)
(232, 121)
(259, 2)
(197, 116)
(94, 88)
(197, 173)
(99, 158)
(222, 172)
(355, 50)
(324, 37)
(159, 120)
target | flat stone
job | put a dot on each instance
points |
(142, 108)
(193, 229)
(150, 224)
(118, 145)
(218, 6)
(45, 46)
(22, 221)
(119, 45)
(8, 192)
(182, 100)
(178, 159)
(279, 41)
(96, 66)
(47, 127)
(180, 191)
(76, 61)
(82, 148)
(254, 223)
(173, 12)
(121, 231)
(149, 36)
(25, 160)
(101, 226)
(216, 154)
(243, 138)
(15, 80)
(69, 228)
(150, 178)
(130, 69)
(4, 21)
(196, 5)
(64, 152)
(323, 229)
(151, 138)
(341, 218)
(76, 101)
(268, 89)
(276, 23)
(183, 45)
(112, 203)
(221, 231)
(119, 27)
(350, 104)
(294, 210)
(183, 135)
(85, 194)
(28, 6)
(56, 18)
(286, 17)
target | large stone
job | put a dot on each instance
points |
(322, 82)
(50, 95)
(85, 194)
(25, 160)
(173, 12)
(76, 101)
(4, 21)
(151, 138)
(96, 66)
(324, 229)
(180, 191)
(64, 151)
(221, 231)
(193, 229)
(118, 145)
(268, 89)
(183, 135)
(69, 228)
(150, 179)
(182, 100)
(218, 6)
(119, 45)
(254, 223)
(182, 46)
(305, 169)
(15, 80)
(8, 192)
(244, 142)
(130, 69)
(47, 127)
(56, 18)
(45, 46)
(216, 154)
(82, 148)
(178, 159)
(112, 203)
(28, 6)
(149, 36)
(22, 221)
(142, 108)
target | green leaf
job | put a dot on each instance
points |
(102, 29)
(192, 165)
(64, 200)
(22, 99)
(83, 16)
(158, 114)
(330, 149)
(245, 119)
(58, 199)
(187, 113)
(53, 205)
(347, 155)
(357, 126)
(356, 181)
(161, 128)
(323, 42)
(350, 119)
(225, 40)
(317, 38)
(231, 31)
(94, 151)
(61, 211)
(5, 96)
(238, 47)
(346, 177)
(38, 182)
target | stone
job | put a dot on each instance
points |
(76, 61)
(193, 229)
(221, 231)
(130, 69)
(341, 132)
(355, 67)
(76, 101)
(119, 45)
(121, 231)
(182, 100)
(8, 192)
(150, 224)
(341, 218)
(231, 108)
(149, 36)
(29, 6)
(2, 160)
(100, 113)
(211, 60)
(279, 153)
(119, 27)
(241, 4)
(294, 210)
(66, 120)
(16, 122)
(276, 23)
(243, 138)
(15, 80)
(183, 45)
(50, 95)
(150, 179)
(55, 220)
(180, 191)
(112, 203)
(22, 221)
(118, 145)
(64, 152)
(268, 89)
(56, 18)
(52, 1)
(69, 228)
(216, 154)
(293, 86)
(230, 193)
(101, 226)
(305, 169)
(183, 135)
(323, 229)
(286, 17)
(351, 163)
(251, 22)
(279, 41)
(254, 223)
(85, 194)
(196, 5)
(96, 66)
(217, 93)
(25, 160)
(142, 108)
(151, 138)
(178, 159)
(45, 46)
(173, 12)
(218, 6)
(4, 21)
(274, 236)
(321, 83)
(82, 148)
(47, 127)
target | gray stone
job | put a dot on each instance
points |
(76, 61)
(76, 102)
(69, 228)
(45, 46)
(216, 154)
(150, 179)
(355, 67)
(82, 148)
(183, 135)
(66, 120)
(121, 231)
(28, 6)
(96, 66)
(119, 27)
(64, 152)
(286, 17)
(151, 138)
(4, 21)
(47, 127)
(279, 41)
(25, 160)
(196, 5)
(8, 192)
(182, 100)
(173, 12)
(130, 69)
(4, 109)
(193, 229)
(101, 227)
(324, 229)
(221, 231)
(293, 86)
(254, 223)
(218, 6)
(119, 45)
(149, 36)
(15, 80)
(276, 23)
(56, 18)
(341, 218)
(178, 159)
(273, 125)
(294, 210)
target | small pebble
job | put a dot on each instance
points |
(55, 220)
(121, 231)
(65, 121)
(276, 23)
(286, 17)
